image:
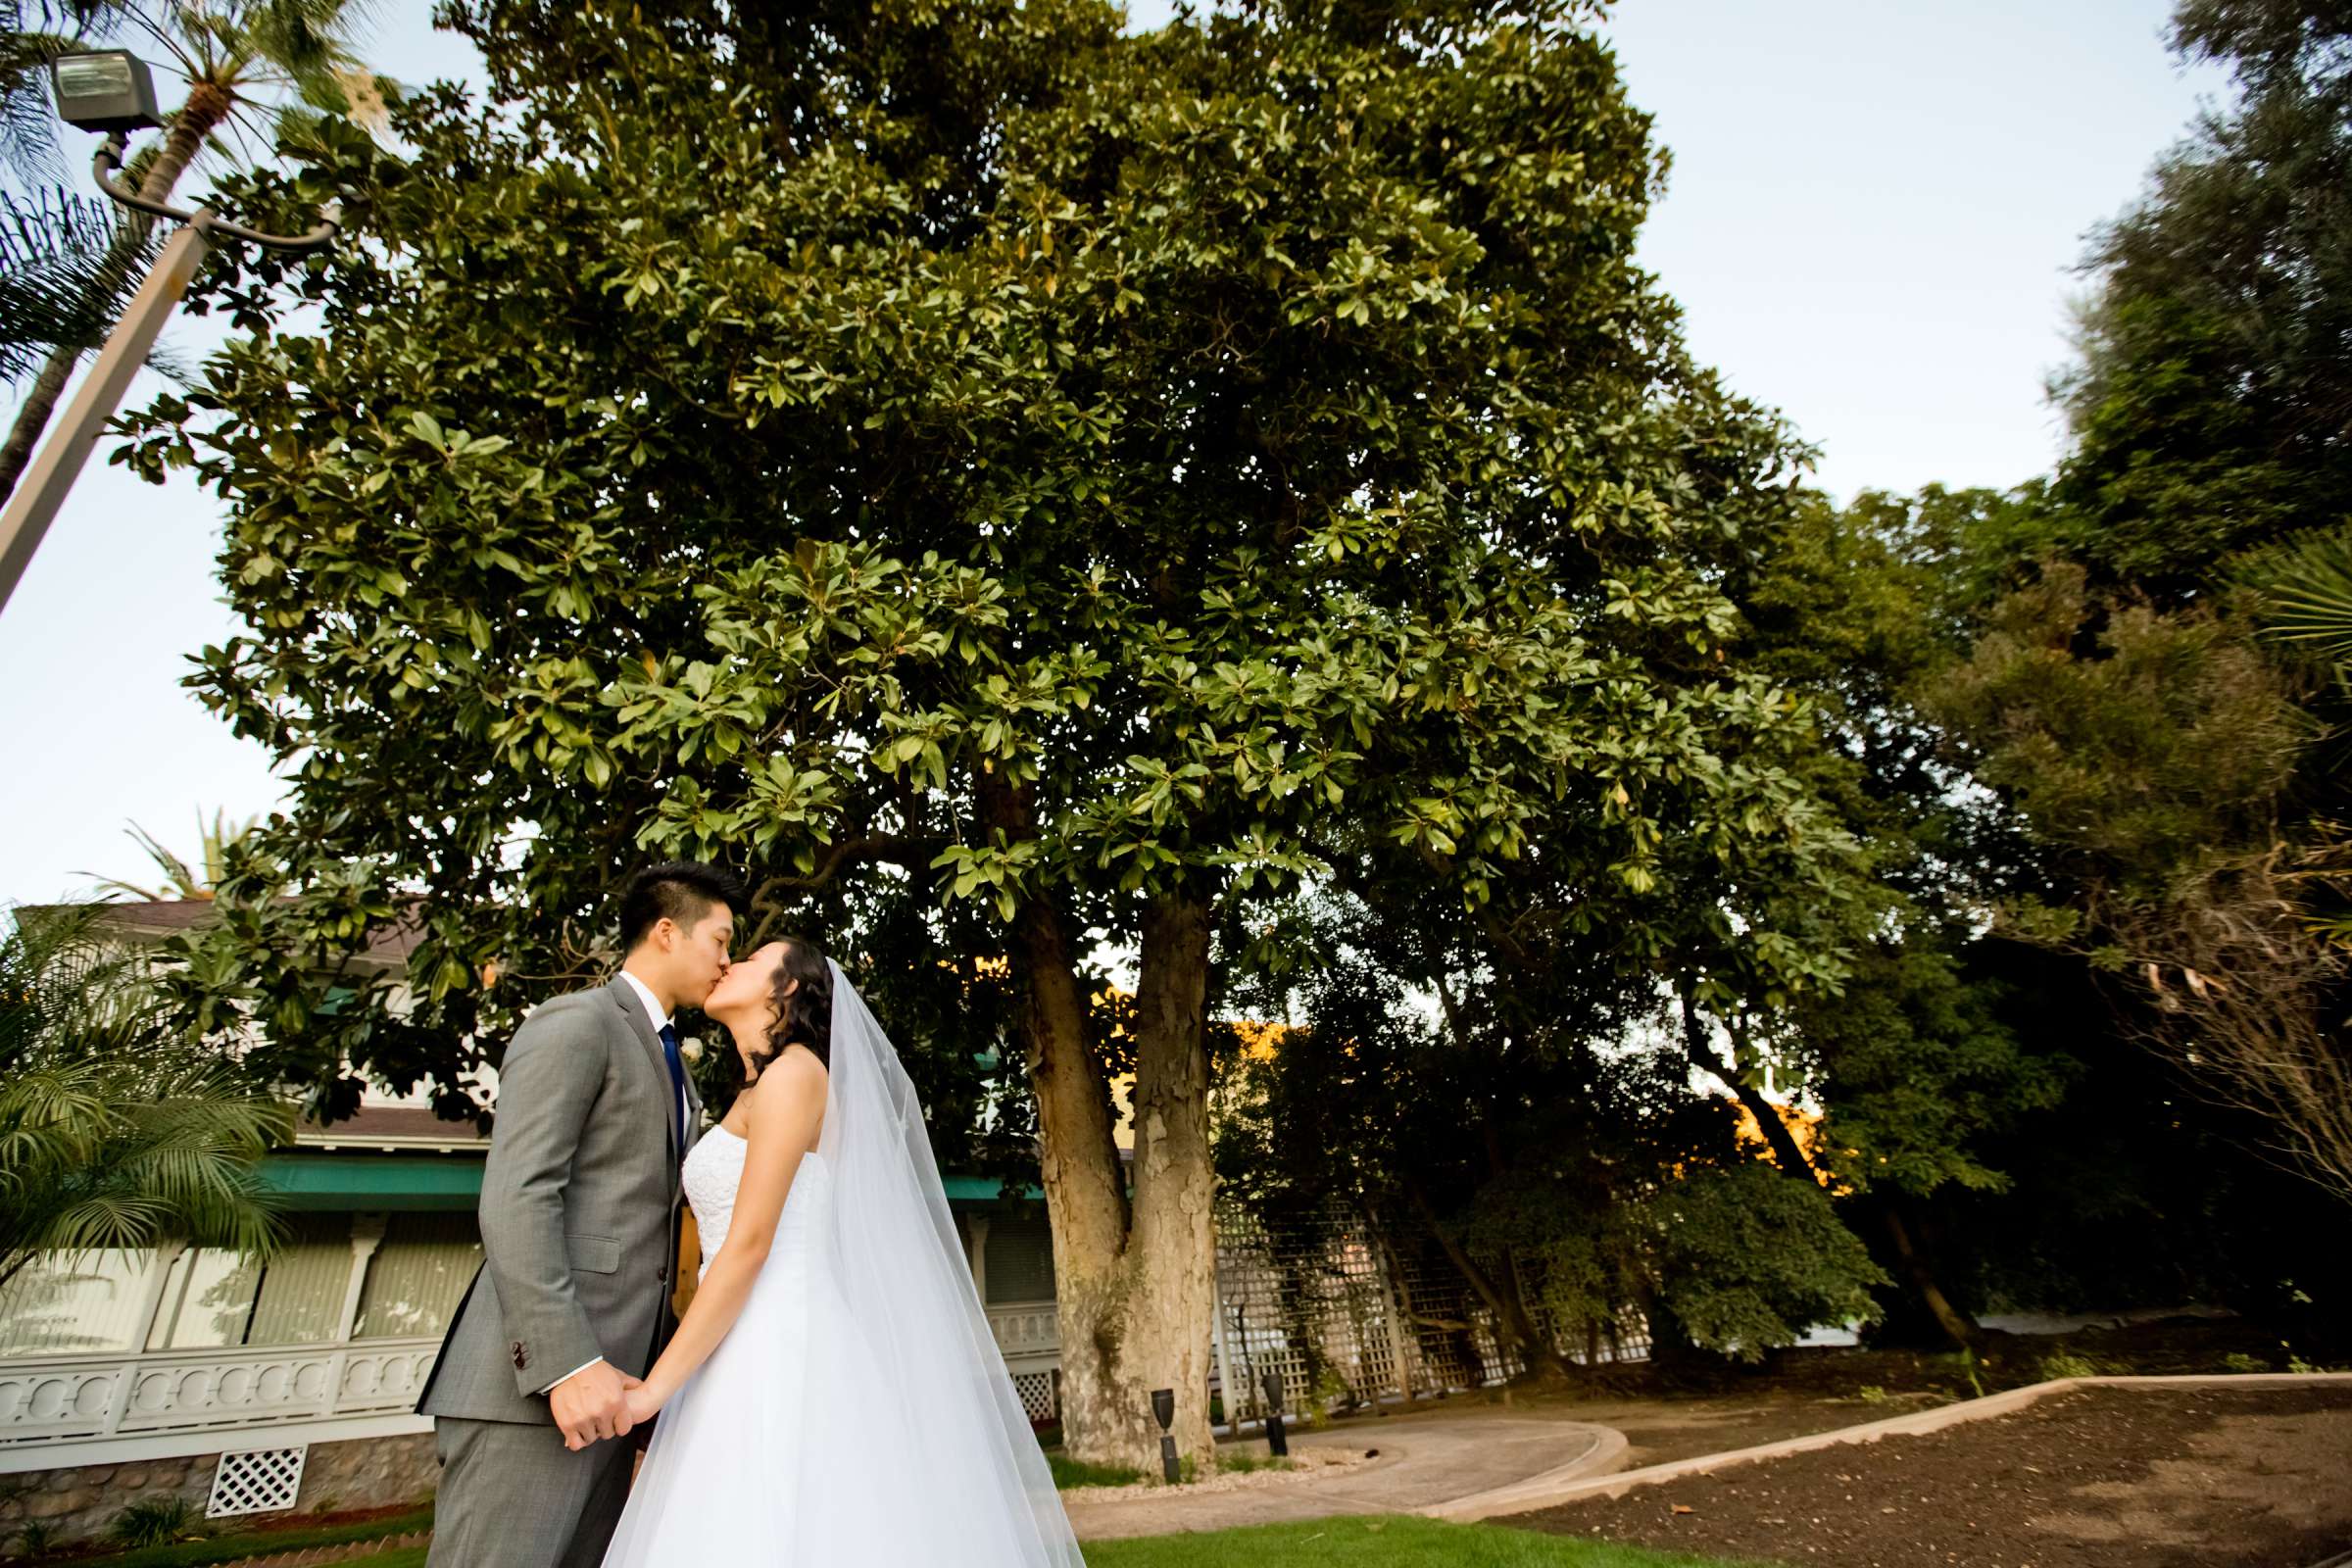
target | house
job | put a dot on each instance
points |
(193, 1372)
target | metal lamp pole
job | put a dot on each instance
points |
(112, 91)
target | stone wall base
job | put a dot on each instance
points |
(79, 1502)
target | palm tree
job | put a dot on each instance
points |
(117, 1131)
(62, 276)
(65, 273)
(2304, 597)
(30, 36)
(243, 60)
(181, 879)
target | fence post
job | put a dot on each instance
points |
(1394, 1292)
(1224, 1354)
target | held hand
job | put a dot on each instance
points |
(591, 1406)
(643, 1403)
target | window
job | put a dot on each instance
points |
(215, 1299)
(1021, 1258)
(419, 1275)
(57, 1305)
(300, 1297)
(207, 1300)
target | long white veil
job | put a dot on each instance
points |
(925, 1383)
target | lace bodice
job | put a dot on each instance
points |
(713, 1171)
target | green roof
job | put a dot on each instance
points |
(311, 1181)
(981, 1188)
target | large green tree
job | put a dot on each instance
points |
(1912, 1072)
(2212, 407)
(2162, 783)
(1097, 480)
(1576, 1183)
(2155, 769)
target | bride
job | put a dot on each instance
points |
(833, 1395)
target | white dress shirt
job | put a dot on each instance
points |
(662, 1020)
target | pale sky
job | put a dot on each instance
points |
(1873, 218)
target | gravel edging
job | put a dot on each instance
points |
(1306, 1464)
(1524, 1497)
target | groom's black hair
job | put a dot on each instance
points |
(681, 890)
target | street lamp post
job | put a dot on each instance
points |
(111, 91)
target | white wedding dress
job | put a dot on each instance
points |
(857, 1414)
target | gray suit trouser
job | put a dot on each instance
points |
(514, 1496)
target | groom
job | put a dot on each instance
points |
(579, 1234)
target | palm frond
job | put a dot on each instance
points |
(99, 1221)
(309, 37)
(28, 143)
(117, 1129)
(2307, 592)
(181, 878)
(65, 273)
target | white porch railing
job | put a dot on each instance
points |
(67, 1401)
(1028, 1334)
(71, 1399)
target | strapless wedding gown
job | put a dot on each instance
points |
(858, 1413)
(789, 1445)
(782, 1448)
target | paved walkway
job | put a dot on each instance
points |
(1425, 1462)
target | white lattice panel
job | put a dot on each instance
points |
(262, 1481)
(1036, 1390)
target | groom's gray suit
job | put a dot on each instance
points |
(580, 1237)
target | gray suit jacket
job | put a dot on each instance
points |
(579, 1211)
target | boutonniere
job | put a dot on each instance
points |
(690, 1049)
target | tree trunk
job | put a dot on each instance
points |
(207, 106)
(1787, 1153)
(1399, 1298)
(1958, 1327)
(1172, 1252)
(1674, 1359)
(1133, 1277)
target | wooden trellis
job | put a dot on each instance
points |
(1346, 1315)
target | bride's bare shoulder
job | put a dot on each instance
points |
(793, 1075)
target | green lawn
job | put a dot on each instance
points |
(1391, 1541)
(1368, 1541)
(1068, 1472)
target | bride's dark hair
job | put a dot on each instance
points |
(804, 1015)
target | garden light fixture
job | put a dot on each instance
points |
(1278, 1441)
(109, 90)
(1164, 1410)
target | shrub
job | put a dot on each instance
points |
(153, 1522)
(2067, 1365)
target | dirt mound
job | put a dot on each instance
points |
(2096, 1478)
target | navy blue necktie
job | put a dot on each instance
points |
(677, 1079)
